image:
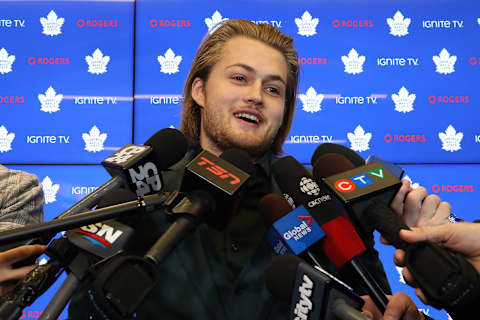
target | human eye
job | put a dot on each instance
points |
(239, 77)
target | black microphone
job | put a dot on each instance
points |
(209, 187)
(342, 245)
(312, 293)
(452, 283)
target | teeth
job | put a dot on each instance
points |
(247, 116)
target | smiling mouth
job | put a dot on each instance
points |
(247, 117)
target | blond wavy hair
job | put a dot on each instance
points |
(210, 52)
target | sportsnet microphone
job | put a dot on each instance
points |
(312, 293)
(342, 245)
(452, 284)
(208, 190)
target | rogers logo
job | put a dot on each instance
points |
(312, 60)
(97, 23)
(452, 188)
(33, 315)
(352, 23)
(33, 60)
(405, 138)
(449, 99)
(474, 61)
(12, 99)
(154, 23)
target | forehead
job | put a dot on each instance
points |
(261, 57)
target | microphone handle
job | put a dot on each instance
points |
(343, 311)
(61, 298)
(373, 288)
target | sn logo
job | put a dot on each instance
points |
(125, 154)
(146, 179)
(104, 231)
(218, 171)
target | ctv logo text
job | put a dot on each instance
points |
(100, 233)
(218, 171)
(360, 181)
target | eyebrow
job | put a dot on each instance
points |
(250, 69)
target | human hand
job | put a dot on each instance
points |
(8, 274)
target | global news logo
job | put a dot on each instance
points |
(361, 180)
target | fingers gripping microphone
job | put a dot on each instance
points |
(452, 284)
(312, 293)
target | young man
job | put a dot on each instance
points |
(240, 93)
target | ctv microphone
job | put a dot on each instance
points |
(452, 284)
(312, 293)
(342, 244)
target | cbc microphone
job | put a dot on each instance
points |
(312, 293)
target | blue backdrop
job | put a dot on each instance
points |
(79, 79)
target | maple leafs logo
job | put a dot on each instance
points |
(451, 139)
(52, 26)
(6, 61)
(97, 63)
(353, 62)
(398, 25)
(50, 101)
(94, 140)
(215, 22)
(50, 190)
(306, 26)
(5, 140)
(359, 139)
(444, 62)
(312, 102)
(169, 63)
(403, 100)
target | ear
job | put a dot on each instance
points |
(198, 91)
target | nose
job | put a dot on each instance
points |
(253, 94)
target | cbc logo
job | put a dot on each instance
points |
(344, 185)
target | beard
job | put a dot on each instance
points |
(218, 133)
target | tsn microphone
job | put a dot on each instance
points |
(452, 284)
(313, 293)
(209, 186)
(342, 245)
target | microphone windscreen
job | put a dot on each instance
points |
(239, 159)
(280, 276)
(326, 148)
(331, 164)
(273, 207)
(169, 146)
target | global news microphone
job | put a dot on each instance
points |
(21, 203)
(240, 93)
